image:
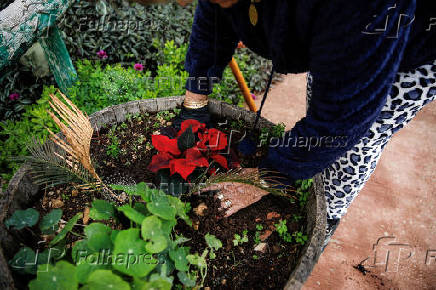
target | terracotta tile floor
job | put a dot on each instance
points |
(397, 207)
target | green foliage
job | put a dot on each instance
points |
(275, 131)
(19, 80)
(282, 230)
(128, 32)
(214, 244)
(101, 210)
(143, 256)
(60, 276)
(303, 192)
(257, 234)
(68, 228)
(238, 240)
(16, 135)
(23, 218)
(50, 222)
(299, 238)
(105, 279)
(113, 149)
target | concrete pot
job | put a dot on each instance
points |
(21, 191)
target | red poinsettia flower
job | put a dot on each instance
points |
(182, 167)
(194, 124)
(203, 139)
(195, 158)
(191, 149)
(164, 144)
(159, 161)
(217, 139)
(221, 160)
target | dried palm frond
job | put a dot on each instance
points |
(77, 129)
(50, 166)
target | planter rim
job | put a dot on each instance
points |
(21, 188)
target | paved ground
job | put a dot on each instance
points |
(392, 223)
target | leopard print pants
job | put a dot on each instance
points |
(344, 179)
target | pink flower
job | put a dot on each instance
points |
(138, 67)
(254, 96)
(14, 97)
(102, 54)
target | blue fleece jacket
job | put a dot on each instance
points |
(353, 49)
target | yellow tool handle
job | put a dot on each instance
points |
(242, 85)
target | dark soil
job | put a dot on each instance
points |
(241, 267)
(235, 267)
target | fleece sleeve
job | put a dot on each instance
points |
(212, 44)
(356, 50)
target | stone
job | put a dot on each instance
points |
(57, 203)
(261, 247)
(199, 210)
(272, 215)
(265, 235)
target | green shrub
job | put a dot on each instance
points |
(15, 135)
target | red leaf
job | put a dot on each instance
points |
(181, 167)
(196, 125)
(212, 171)
(217, 139)
(164, 144)
(221, 160)
(195, 158)
(201, 144)
(159, 161)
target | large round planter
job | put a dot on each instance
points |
(21, 192)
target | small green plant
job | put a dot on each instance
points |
(278, 130)
(213, 244)
(303, 192)
(296, 217)
(113, 149)
(282, 230)
(145, 256)
(238, 240)
(123, 125)
(26, 260)
(255, 257)
(259, 229)
(275, 131)
(299, 238)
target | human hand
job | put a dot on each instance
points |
(235, 196)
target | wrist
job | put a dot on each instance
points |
(195, 101)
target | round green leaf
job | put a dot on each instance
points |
(130, 256)
(24, 261)
(132, 214)
(151, 230)
(60, 276)
(101, 210)
(213, 242)
(105, 279)
(99, 236)
(23, 218)
(49, 223)
(179, 258)
(160, 206)
(85, 269)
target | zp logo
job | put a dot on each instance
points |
(392, 19)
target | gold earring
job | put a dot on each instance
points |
(252, 12)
